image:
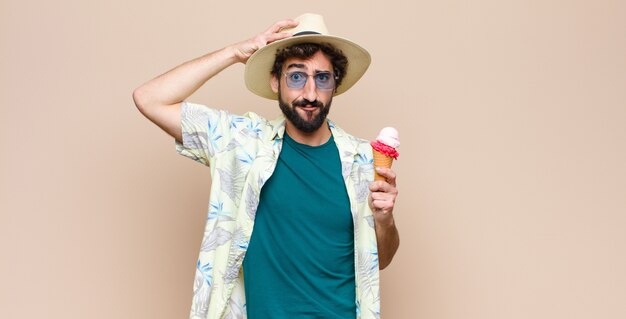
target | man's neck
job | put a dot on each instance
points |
(315, 138)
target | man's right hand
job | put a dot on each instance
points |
(245, 49)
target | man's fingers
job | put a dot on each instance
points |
(274, 32)
(382, 204)
(383, 193)
(388, 173)
(378, 186)
(382, 186)
(283, 24)
(248, 47)
(276, 36)
(382, 196)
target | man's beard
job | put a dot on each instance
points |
(304, 125)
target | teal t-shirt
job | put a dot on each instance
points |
(300, 259)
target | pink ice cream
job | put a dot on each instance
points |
(387, 142)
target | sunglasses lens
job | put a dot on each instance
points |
(324, 81)
(296, 80)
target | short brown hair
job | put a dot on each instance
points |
(307, 50)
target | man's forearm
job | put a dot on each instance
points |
(160, 98)
(179, 83)
(388, 242)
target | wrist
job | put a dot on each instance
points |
(384, 220)
(232, 54)
(239, 52)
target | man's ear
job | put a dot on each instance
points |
(274, 83)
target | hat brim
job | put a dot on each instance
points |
(257, 74)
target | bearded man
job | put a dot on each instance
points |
(297, 227)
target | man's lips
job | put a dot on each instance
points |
(308, 107)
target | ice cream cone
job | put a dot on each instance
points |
(385, 149)
(381, 160)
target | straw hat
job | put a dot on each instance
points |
(311, 29)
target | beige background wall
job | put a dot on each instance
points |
(512, 172)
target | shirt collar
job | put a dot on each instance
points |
(346, 143)
(278, 127)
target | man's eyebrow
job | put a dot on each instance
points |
(302, 66)
(296, 65)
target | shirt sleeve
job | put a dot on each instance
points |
(199, 140)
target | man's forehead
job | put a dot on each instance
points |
(318, 61)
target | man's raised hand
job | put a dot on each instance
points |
(246, 48)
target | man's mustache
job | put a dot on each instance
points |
(305, 102)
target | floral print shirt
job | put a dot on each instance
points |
(242, 152)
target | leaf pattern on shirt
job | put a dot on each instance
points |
(367, 268)
(205, 268)
(346, 168)
(195, 140)
(233, 144)
(201, 297)
(219, 236)
(236, 253)
(365, 169)
(216, 210)
(375, 307)
(198, 281)
(231, 181)
(235, 310)
(245, 158)
(362, 190)
(195, 135)
(245, 127)
(253, 132)
(363, 159)
(239, 243)
(232, 271)
(252, 202)
(213, 131)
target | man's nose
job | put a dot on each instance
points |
(309, 91)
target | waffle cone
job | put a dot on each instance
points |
(381, 160)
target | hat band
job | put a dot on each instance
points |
(305, 33)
